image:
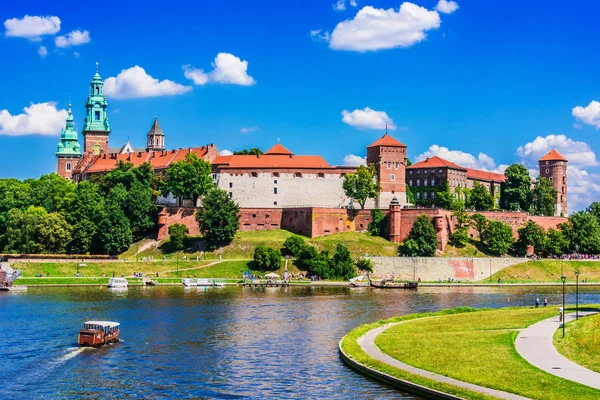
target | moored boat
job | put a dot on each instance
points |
(117, 283)
(390, 284)
(190, 282)
(98, 333)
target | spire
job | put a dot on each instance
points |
(155, 138)
(68, 145)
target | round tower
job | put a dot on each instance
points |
(553, 166)
(394, 226)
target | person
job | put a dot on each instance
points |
(545, 302)
(537, 302)
(560, 314)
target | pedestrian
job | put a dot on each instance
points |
(545, 302)
(537, 302)
(560, 314)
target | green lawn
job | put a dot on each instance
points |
(549, 271)
(478, 347)
(581, 343)
(68, 281)
(471, 249)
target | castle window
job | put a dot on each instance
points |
(564, 179)
(230, 184)
(321, 175)
(550, 179)
(410, 183)
(547, 171)
(275, 182)
(432, 195)
(425, 196)
(298, 174)
(392, 177)
(418, 182)
(254, 175)
(214, 176)
(432, 181)
(276, 175)
(397, 165)
(274, 190)
(440, 171)
(230, 195)
(97, 115)
(426, 171)
(97, 90)
(410, 172)
(418, 195)
(389, 165)
(425, 182)
(68, 167)
(274, 203)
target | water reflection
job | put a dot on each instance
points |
(216, 343)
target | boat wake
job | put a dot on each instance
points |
(72, 352)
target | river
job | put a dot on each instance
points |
(226, 343)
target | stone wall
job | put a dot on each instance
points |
(435, 268)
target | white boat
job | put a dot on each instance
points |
(117, 283)
(200, 282)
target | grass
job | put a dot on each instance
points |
(581, 343)
(67, 281)
(230, 269)
(471, 249)
(549, 271)
(478, 347)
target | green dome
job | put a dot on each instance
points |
(68, 145)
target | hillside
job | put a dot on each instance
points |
(549, 271)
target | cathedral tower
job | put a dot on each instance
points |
(388, 156)
(553, 166)
(68, 151)
(96, 128)
(155, 138)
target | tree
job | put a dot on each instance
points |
(342, 265)
(594, 209)
(267, 258)
(254, 151)
(480, 199)
(114, 232)
(218, 218)
(544, 197)
(87, 205)
(294, 245)
(460, 237)
(83, 236)
(557, 243)
(517, 188)
(364, 264)
(141, 209)
(531, 234)
(53, 233)
(53, 192)
(13, 194)
(189, 178)
(177, 235)
(21, 229)
(446, 200)
(361, 185)
(498, 237)
(586, 232)
(422, 239)
(479, 222)
(377, 225)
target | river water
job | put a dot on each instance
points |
(226, 343)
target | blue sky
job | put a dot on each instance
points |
(498, 78)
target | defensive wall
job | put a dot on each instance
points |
(435, 268)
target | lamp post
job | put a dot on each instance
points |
(564, 314)
(576, 295)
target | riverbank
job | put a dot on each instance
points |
(484, 356)
(581, 343)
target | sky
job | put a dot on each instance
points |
(483, 84)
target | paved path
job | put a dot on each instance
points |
(535, 345)
(367, 343)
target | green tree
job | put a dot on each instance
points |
(83, 236)
(568, 233)
(410, 195)
(361, 185)
(189, 179)
(254, 151)
(141, 209)
(479, 198)
(460, 236)
(114, 232)
(444, 198)
(422, 239)
(594, 209)
(342, 265)
(544, 197)
(53, 192)
(87, 205)
(218, 218)
(267, 258)
(21, 229)
(364, 264)
(586, 232)
(53, 233)
(517, 188)
(13, 194)
(557, 243)
(377, 225)
(531, 234)
(498, 237)
(479, 222)
(294, 245)
(177, 235)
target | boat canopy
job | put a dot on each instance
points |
(103, 324)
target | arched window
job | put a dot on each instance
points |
(254, 175)
(432, 181)
(298, 174)
(276, 174)
(68, 167)
(97, 90)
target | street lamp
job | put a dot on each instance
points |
(564, 314)
(577, 295)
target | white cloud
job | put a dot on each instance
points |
(318, 36)
(249, 129)
(353, 160)
(466, 160)
(341, 5)
(446, 7)
(225, 152)
(578, 153)
(589, 115)
(583, 188)
(74, 38)
(43, 51)
(136, 83)
(368, 118)
(37, 119)
(376, 28)
(32, 27)
(227, 68)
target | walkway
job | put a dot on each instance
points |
(535, 345)
(367, 343)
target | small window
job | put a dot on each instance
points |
(274, 203)
(230, 195)
(389, 165)
(440, 171)
(275, 182)
(214, 176)
(68, 168)
(432, 181)
(418, 182)
(321, 175)
(425, 182)
(397, 165)
(425, 196)
(97, 90)
(393, 192)
(432, 195)
(418, 195)
(274, 190)
(410, 183)
(276, 174)
(426, 171)
(254, 175)
(410, 172)
(267, 216)
(97, 115)
(547, 171)
(230, 185)
(392, 177)
(298, 174)
(253, 215)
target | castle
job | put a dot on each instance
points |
(279, 189)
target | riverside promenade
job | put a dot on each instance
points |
(535, 345)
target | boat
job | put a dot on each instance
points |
(359, 281)
(98, 333)
(189, 282)
(117, 283)
(390, 284)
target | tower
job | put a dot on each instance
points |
(155, 137)
(553, 166)
(96, 128)
(68, 151)
(388, 156)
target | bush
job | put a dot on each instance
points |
(294, 245)
(177, 234)
(364, 264)
(498, 237)
(218, 218)
(422, 239)
(377, 226)
(459, 238)
(267, 258)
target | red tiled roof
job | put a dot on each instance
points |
(436, 162)
(387, 140)
(479, 175)
(278, 149)
(553, 155)
(270, 161)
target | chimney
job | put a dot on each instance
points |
(189, 150)
(139, 153)
(129, 157)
